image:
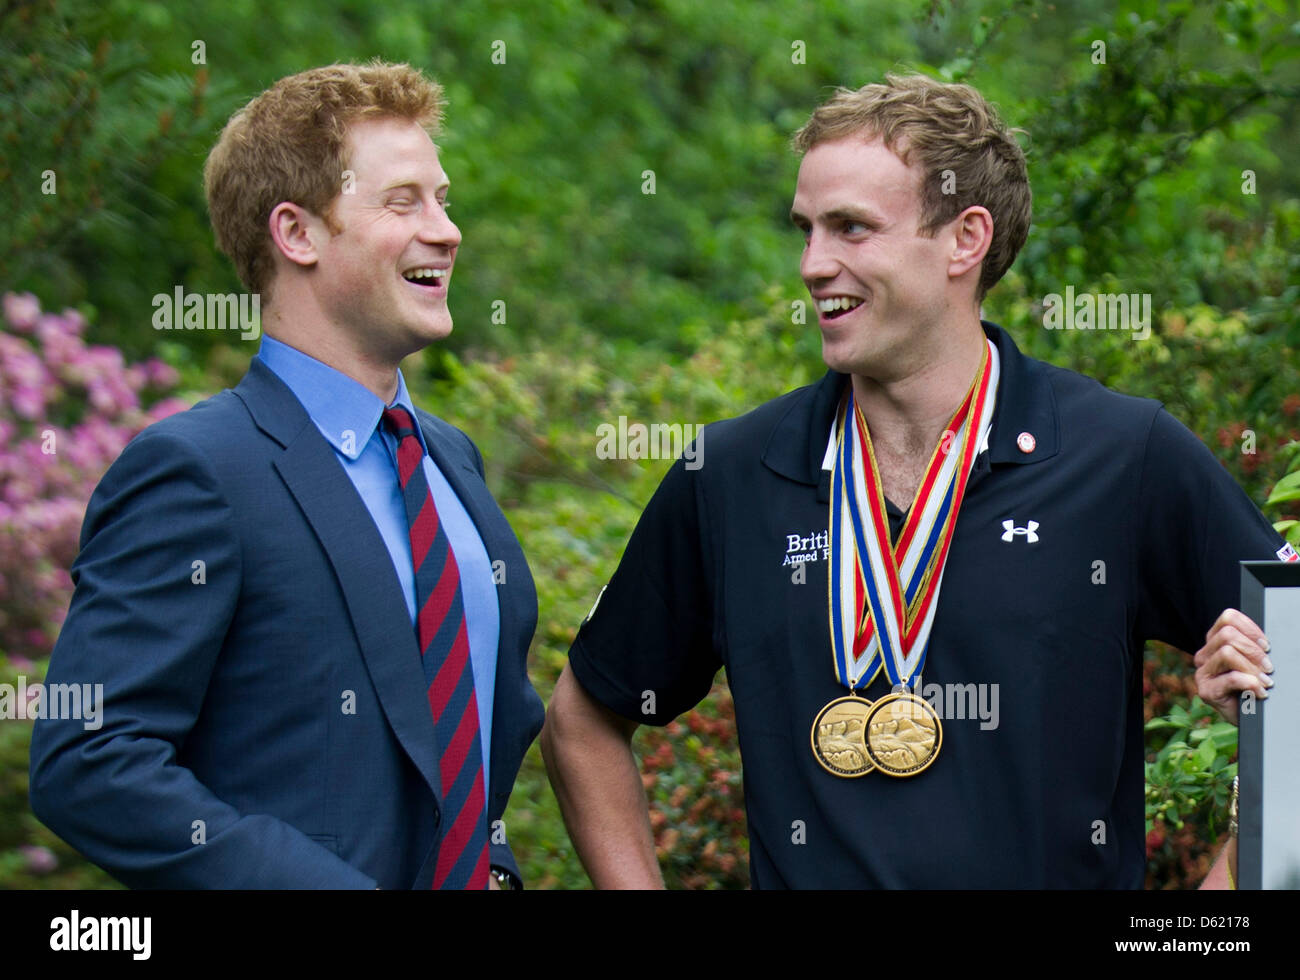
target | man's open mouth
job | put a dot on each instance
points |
(833, 307)
(426, 276)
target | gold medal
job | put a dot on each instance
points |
(903, 734)
(838, 737)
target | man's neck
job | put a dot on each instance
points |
(307, 335)
(910, 411)
(906, 415)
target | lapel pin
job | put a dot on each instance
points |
(1026, 442)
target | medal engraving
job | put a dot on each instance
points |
(903, 735)
(838, 737)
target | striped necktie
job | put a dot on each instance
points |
(448, 673)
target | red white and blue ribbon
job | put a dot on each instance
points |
(873, 581)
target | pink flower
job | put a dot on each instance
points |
(28, 401)
(166, 407)
(160, 374)
(40, 860)
(74, 322)
(62, 348)
(49, 468)
(21, 310)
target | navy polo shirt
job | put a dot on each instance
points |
(1118, 526)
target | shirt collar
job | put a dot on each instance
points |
(346, 411)
(1025, 404)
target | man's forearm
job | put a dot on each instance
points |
(588, 755)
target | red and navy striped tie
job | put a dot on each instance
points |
(448, 673)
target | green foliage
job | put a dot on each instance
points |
(1191, 772)
(1286, 493)
(692, 778)
(1136, 163)
(91, 134)
(1189, 782)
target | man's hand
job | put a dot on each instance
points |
(1234, 659)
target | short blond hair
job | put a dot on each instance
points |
(944, 128)
(289, 144)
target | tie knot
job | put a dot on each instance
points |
(399, 422)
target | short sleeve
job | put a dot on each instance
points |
(1197, 526)
(646, 649)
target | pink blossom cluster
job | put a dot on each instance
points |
(66, 410)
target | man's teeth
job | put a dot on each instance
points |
(424, 274)
(838, 303)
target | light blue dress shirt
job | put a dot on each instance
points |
(348, 415)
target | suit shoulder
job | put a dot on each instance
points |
(209, 423)
(214, 442)
(209, 430)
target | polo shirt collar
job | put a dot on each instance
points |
(337, 404)
(1025, 403)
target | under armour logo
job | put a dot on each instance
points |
(1009, 531)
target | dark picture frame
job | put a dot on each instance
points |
(1268, 751)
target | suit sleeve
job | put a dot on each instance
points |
(646, 650)
(1197, 525)
(148, 623)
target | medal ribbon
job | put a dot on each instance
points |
(897, 585)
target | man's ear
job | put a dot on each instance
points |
(973, 232)
(295, 230)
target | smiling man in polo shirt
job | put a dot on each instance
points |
(966, 496)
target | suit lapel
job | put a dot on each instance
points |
(348, 535)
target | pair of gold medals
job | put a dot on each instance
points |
(898, 735)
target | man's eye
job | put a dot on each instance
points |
(855, 227)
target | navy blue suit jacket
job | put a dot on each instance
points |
(264, 721)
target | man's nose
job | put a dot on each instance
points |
(817, 262)
(439, 229)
